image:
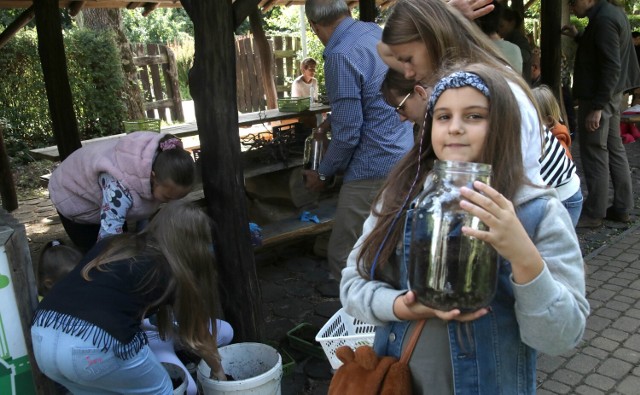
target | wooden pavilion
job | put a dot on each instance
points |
(213, 86)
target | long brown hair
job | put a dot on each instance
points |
(501, 150)
(178, 239)
(447, 34)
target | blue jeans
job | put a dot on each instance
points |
(573, 205)
(84, 369)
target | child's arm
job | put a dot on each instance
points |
(551, 308)
(116, 202)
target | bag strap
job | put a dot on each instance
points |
(406, 355)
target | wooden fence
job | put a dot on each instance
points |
(250, 87)
(158, 74)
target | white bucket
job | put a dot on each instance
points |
(256, 369)
(176, 373)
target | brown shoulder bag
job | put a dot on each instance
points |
(364, 373)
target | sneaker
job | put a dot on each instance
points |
(589, 222)
(617, 216)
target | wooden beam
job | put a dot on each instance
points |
(16, 25)
(56, 79)
(7, 186)
(75, 7)
(133, 5)
(264, 51)
(241, 10)
(550, 60)
(148, 7)
(212, 82)
(368, 10)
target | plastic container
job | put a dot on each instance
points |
(301, 338)
(136, 125)
(448, 270)
(295, 104)
(344, 330)
(256, 369)
(177, 375)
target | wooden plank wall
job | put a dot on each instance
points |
(158, 74)
(251, 96)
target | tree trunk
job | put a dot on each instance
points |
(111, 19)
(212, 82)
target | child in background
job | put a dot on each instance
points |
(558, 169)
(550, 113)
(104, 185)
(56, 261)
(540, 302)
(306, 85)
(99, 306)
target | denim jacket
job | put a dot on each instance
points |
(487, 354)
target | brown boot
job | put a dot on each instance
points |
(589, 222)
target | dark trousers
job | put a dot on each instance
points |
(84, 236)
(604, 158)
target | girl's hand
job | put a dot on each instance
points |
(214, 362)
(407, 307)
(506, 234)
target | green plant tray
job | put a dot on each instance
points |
(142, 124)
(302, 338)
(295, 104)
(288, 362)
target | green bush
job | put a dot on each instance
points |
(96, 80)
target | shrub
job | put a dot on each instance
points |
(96, 80)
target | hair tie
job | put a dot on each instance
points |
(459, 79)
(171, 143)
(55, 243)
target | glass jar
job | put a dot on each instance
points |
(314, 147)
(447, 269)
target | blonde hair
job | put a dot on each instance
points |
(547, 103)
(179, 240)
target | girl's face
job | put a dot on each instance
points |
(414, 107)
(460, 124)
(167, 190)
(415, 59)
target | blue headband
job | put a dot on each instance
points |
(459, 79)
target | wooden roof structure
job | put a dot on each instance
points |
(264, 5)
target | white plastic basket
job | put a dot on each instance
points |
(344, 330)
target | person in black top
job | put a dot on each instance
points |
(86, 332)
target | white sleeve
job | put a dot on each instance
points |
(369, 301)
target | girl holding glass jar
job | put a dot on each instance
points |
(539, 302)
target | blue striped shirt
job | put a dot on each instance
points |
(367, 137)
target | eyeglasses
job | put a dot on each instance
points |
(400, 106)
(572, 2)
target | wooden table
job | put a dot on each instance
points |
(191, 128)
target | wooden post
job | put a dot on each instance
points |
(550, 61)
(264, 50)
(56, 79)
(368, 10)
(7, 187)
(25, 290)
(173, 86)
(212, 82)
